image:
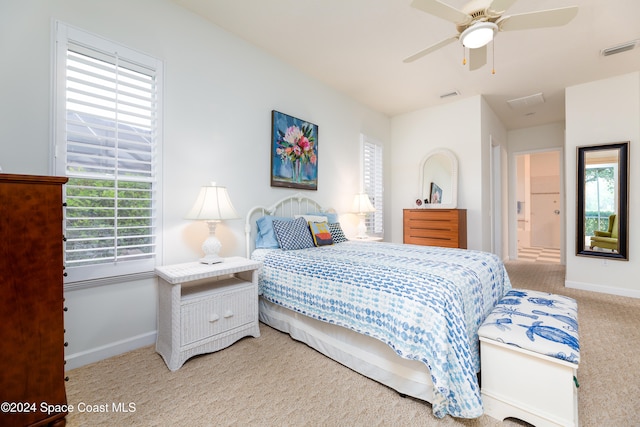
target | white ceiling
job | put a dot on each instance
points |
(357, 47)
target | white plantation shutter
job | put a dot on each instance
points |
(372, 184)
(107, 139)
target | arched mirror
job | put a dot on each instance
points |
(602, 210)
(439, 180)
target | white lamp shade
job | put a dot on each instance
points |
(212, 204)
(362, 204)
(478, 35)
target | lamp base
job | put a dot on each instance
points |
(362, 229)
(211, 259)
(211, 246)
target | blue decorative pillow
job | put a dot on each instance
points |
(293, 234)
(337, 235)
(266, 237)
(320, 233)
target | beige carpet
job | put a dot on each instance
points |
(275, 381)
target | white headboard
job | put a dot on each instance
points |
(296, 204)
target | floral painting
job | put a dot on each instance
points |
(294, 152)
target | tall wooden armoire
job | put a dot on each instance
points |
(31, 300)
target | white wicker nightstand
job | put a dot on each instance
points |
(204, 308)
(367, 239)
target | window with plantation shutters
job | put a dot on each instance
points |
(107, 144)
(372, 184)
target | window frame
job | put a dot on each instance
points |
(116, 270)
(373, 170)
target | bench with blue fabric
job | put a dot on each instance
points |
(530, 351)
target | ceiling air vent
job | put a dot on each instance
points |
(449, 94)
(526, 101)
(619, 48)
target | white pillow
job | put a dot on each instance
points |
(312, 218)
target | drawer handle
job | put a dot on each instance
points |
(228, 314)
(213, 318)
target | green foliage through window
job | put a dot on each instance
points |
(108, 220)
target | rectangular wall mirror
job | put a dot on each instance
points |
(602, 210)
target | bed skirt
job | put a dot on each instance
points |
(363, 354)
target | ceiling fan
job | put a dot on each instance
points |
(480, 20)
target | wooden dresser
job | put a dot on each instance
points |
(436, 227)
(31, 301)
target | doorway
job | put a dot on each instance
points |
(539, 206)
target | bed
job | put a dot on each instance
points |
(406, 316)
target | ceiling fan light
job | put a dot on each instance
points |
(478, 35)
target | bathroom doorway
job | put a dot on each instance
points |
(539, 206)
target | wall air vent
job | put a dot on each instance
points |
(619, 48)
(526, 101)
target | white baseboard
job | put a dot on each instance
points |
(82, 358)
(624, 292)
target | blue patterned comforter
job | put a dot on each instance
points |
(426, 303)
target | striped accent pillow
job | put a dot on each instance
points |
(320, 233)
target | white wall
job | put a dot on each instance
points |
(536, 138)
(467, 128)
(601, 112)
(493, 134)
(218, 95)
(417, 133)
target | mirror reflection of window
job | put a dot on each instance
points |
(601, 189)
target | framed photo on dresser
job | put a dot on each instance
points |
(436, 193)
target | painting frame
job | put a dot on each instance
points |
(294, 152)
(436, 194)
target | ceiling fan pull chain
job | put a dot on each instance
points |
(493, 56)
(464, 55)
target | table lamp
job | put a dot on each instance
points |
(362, 206)
(212, 206)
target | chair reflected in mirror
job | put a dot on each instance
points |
(606, 239)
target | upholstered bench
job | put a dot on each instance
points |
(530, 351)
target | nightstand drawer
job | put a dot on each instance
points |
(205, 317)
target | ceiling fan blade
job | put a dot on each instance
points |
(430, 49)
(500, 6)
(542, 19)
(477, 58)
(442, 10)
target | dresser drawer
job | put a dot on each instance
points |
(435, 227)
(217, 313)
(433, 241)
(444, 215)
(417, 225)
